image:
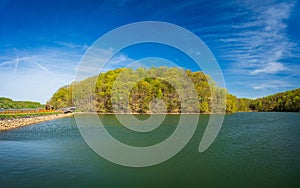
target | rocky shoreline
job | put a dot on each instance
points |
(7, 124)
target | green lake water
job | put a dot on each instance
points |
(251, 150)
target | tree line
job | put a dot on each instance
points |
(7, 103)
(162, 89)
(288, 101)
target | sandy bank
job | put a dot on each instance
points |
(7, 124)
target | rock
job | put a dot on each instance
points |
(6, 124)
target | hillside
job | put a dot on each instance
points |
(152, 84)
(288, 101)
(7, 103)
(144, 91)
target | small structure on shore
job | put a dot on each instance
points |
(49, 107)
(68, 109)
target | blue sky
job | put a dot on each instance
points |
(257, 43)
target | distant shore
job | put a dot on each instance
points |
(133, 113)
(7, 124)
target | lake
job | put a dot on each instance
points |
(251, 150)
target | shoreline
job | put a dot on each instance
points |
(13, 123)
(8, 124)
(148, 113)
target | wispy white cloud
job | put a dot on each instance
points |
(100, 60)
(35, 63)
(257, 55)
(251, 35)
(261, 43)
(72, 45)
(270, 68)
(275, 84)
(36, 74)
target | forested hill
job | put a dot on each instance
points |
(288, 101)
(6, 103)
(152, 84)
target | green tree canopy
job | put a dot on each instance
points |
(7, 103)
(105, 93)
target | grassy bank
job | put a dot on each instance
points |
(23, 115)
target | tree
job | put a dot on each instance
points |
(126, 90)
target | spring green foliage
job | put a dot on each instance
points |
(152, 83)
(7, 103)
(62, 98)
(243, 104)
(10, 116)
(288, 101)
(231, 103)
(106, 92)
